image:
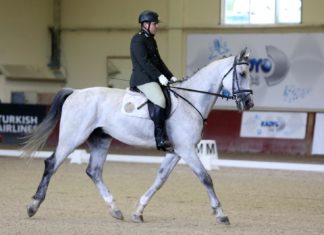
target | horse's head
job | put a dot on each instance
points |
(237, 83)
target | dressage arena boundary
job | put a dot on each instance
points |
(206, 149)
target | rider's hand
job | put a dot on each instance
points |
(163, 80)
(174, 79)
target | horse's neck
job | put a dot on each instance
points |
(209, 79)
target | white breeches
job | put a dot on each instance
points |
(154, 93)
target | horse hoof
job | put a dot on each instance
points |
(137, 218)
(117, 214)
(223, 220)
(32, 208)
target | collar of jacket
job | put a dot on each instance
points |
(146, 33)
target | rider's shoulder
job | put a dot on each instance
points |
(138, 37)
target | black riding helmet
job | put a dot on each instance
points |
(148, 16)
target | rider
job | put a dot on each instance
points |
(150, 73)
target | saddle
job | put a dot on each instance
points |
(137, 105)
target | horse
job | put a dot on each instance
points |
(93, 116)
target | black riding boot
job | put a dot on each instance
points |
(158, 117)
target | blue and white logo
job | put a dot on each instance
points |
(273, 69)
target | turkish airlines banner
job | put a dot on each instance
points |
(17, 120)
(287, 69)
(281, 125)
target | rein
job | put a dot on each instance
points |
(202, 92)
(178, 95)
(232, 97)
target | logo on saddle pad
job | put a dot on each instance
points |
(135, 104)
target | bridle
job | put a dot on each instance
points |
(238, 91)
(235, 92)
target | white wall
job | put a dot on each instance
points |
(24, 37)
(24, 40)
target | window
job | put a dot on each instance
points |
(238, 12)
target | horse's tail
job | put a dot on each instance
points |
(37, 139)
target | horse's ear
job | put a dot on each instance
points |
(244, 55)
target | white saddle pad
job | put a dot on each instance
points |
(135, 104)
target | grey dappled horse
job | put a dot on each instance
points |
(94, 116)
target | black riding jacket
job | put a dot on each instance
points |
(146, 60)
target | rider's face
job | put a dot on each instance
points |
(152, 27)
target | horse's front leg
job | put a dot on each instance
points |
(168, 164)
(190, 156)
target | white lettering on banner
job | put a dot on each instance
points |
(274, 125)
(16, 119)
(14, 129)
(17, 124)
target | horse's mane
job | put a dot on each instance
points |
(186, 78)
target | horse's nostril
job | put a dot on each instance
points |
(249, 104)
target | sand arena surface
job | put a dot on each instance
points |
(256, 201)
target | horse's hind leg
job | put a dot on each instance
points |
(99, 143)
(51, 165)
(168, 164)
